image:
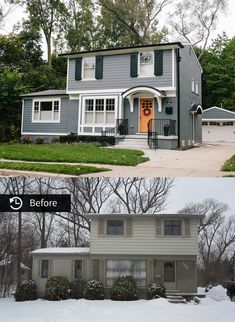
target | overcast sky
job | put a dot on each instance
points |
(197, 189)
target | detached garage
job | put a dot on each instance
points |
(218, 124)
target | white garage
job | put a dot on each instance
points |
(218, 124)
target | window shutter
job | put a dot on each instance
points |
(78, 68)
(102, 270)
(99, 67)
(96, 269)
(158, 62)
(50, 274)
(158, 227)
(187, 227)
(129, 227)
(101, 226)
(39, 267)
(134, 64)
(73, 269)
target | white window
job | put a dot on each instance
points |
(146, 64)
(46, 110)
(193, 85)
(117, 268)
(88, 68)
(100, 111)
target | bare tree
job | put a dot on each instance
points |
(6, 8)
(194, 20)
(216, 238)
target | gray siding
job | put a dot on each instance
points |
(116, 74)
(144, 240)
(217, 113)
(189, 69)
(68, 118)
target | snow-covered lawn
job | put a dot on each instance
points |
(216, 307)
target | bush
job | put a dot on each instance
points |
(39, 140)
(155, 290)
(57, 288)
(25, 139)
(124, 289)
(77, 288)
(72, 138)
(55, 140)
(26, 291)
(94, 290)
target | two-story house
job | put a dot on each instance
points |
(145, 89)
(150, 247)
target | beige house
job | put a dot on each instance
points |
(162, 247)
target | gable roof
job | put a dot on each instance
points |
(49, 92)
(217, 113)
(121, 50)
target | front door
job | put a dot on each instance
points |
(146, 113)
(169, 271)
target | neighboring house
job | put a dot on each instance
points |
(218, 124)
(149, 247)
(120, 90)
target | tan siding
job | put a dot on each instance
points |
(95, 269)
(187, 227)
(144, 240)
(186, 276)
(101, 226)
(129, 227)
(158, 227)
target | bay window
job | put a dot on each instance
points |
(135, 268)
(46, 110)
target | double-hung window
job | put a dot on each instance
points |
(115, 227)
(46, 110)
(89, 68)
(78, 269)
(45, 268)
(172, 228)
(146, 64)
(100, 111)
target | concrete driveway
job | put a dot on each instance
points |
(202, 161)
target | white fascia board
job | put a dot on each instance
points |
(42, 133)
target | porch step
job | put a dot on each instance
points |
(176, 299)
(137, 141)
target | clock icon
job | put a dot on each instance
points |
(16, 203)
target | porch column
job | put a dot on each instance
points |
(159, 102)
(131, 102)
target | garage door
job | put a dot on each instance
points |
(218, 131)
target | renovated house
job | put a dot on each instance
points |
(218, 124)
(151, 92)
(150, 247)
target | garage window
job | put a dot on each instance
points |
(227, 123)
(204, 123)
(215, 123)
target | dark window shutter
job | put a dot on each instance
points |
(134, 64)
(99, 67)
(78, 68)
(158, 62)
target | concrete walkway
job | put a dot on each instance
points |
(202, 161)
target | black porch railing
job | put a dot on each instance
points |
(121, 129)
(158, 127)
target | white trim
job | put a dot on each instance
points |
(219, 108)
(79, 113)
(22, 115)
(67, 76)
(173, 67)
(218, 120)
(46, 99)
(74, 97)
(143, 89)
(43, 133)
(114, 91)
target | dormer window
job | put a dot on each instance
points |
(146, 65)
(89, 68)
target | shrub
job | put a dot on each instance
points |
(39, 140)
(55, 140)
(26, 291)
(72, 138)
(155, 290)
(57, 288)
(94, 290)
(25, 139)
(77, 288)
(124, 289)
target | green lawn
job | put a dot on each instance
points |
(229, 165)
(84, 153)
(73, 170)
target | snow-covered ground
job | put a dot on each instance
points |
(215, 307)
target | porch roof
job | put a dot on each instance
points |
(144, 88)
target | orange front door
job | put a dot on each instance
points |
(146, 113)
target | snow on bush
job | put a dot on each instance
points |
(94, 290)
(155, 290)
(26, 291)
(124, 289)
(218, 293)
(57, 288)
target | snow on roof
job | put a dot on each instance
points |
(62, 250)
(179, 215)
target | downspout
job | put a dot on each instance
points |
(178, 59)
